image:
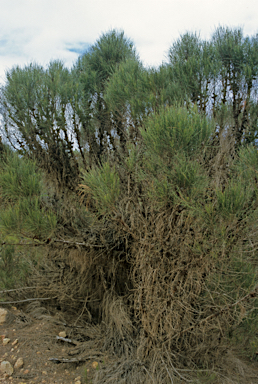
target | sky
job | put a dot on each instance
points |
(39, 31)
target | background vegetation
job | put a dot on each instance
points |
(129, 195)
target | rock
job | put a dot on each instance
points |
(3, 315)
(95, 364)
(5, 341)
(6, 367)
(15, 342)
(19, 363)
(77, 382)
(62, 334)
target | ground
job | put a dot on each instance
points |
(35, 341)
(34, 335)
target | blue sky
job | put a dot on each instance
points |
(44, 30)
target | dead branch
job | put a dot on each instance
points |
(23, 301)
(57, 360)
(252, 294)
(19, 289)
(67, 340)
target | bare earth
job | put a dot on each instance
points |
(35, 337)
(35, 341)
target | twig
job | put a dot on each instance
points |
(56, 241)
(26, 244)
(73, 360)
(254, 293)
(23, 301)
(67, 340)
(76, 243)
(19, 289)
(67, 325)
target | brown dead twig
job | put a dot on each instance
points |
(19, 289)
(23, 301)
(56, 241)
(252, 294)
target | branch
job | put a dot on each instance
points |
(48, 241)
(26, 244)
(19, 289)
(23, 301)
(75, 243)
(67, 340)
(252, 294)
(73, 360)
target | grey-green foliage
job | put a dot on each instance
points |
(175, 141)
(19, 179)
(38, 118)
(222, 71)
(233, 200)
(134, 92)
(128, 93)
(103, 185)
(22, 212)
(13, 268)
(91, 74)
(177, 130)
(247, 164)
(192, 67)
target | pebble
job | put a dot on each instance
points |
(19, 363)
(6, 367)
(62, 334)
(95, 364)
(3, 314)
(6, 341)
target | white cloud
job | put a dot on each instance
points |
(42, 30)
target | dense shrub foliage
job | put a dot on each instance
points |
(138, 188)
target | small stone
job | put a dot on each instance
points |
(3, 314)
(62, 334)
(78, 378)
(15, 342)
(77, 382)
(44, 372)
(19, 363)
(5, 341)
(26, 371)
(95, 364)
(6, 367)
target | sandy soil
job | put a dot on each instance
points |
(35, 341)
